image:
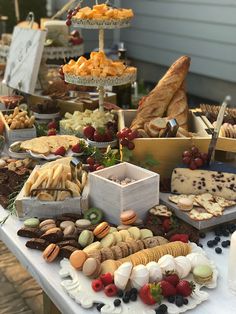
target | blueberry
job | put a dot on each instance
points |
(128, 293)
(217, 239)
(185, 301)
(215, 242)
(125, 299)
(228, 242)
(133, 291)
(224, 244)
(120, 293)
(218, 232)
(210, 243)
(202, 235)
(162, 309)
(218, 250)
(99, 306)
(171, 299)
(225, 233)
(117, 302)
(133, 297)
(179, 301)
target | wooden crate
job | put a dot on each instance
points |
(114, 198)
(18, 134)
(32, 207)
(166, 151)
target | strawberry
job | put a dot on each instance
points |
(97, 285)
(60, 151)
(89, 132)
(52, 125)
(166, 224)
(179, 237)
(99, 135)
(107, 279)
(185, 288)
(150, 294)
(2, 127)
(77, 148)
(167, 289)
(172, 279)
(109, 135)
(111, 290)
(52, 132)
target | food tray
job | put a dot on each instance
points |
(99, 81)
(229, 214)
(63, 52)
(101, 24)
(112, 144)
(79, 288)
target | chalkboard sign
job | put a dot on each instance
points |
(24, 59)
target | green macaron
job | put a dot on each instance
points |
(86, 237)
(31, 223)
(202, 274)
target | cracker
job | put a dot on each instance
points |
(161, 210)
(199, 215)
(210, 206)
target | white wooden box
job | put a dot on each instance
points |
(18, 134)
(114, 198)
(32, 207)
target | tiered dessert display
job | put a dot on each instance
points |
(98, 70)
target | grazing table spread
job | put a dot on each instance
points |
(221, 299)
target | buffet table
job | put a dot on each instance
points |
(220, 299)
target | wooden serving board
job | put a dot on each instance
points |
(229, 214)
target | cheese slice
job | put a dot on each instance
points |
(186, 181)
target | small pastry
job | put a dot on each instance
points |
(128, 217)
(92, 267)
(139, 276)
(185, 204)
(183, 266)
(202, 274)
(86, 238)
(51, 252)
(78, 258)
(101, 230)
(93, 246)
(108, 240)
(122, 275)
(155, 273)
(146, 233)
(167, 263)
(197, 259)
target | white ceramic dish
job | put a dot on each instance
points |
(79, 288)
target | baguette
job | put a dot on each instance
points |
(156, 103)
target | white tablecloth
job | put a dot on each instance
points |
(220, 301)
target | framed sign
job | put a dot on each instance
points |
(24, 59)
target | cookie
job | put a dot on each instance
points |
(69, 230)
(117, 252)
(135, 232)
(67, 223)
(150, 242)
(108, 240)
(185, 204)
(51, 252)
(52, 236)
(47, 227)
(91, 267)
(29, 232)
(109, 266)
(101, 230)
(73, 243)
(124, 234)
(31, 223)
(77, 259)
(123, 227)
(37, 244)
(124, 248)
(112, 229)
(47, 222)
(141, 245)
(95, 215)
(146, 233)
(83, 223)
(85, 238)
(93, 246)
(96, 254)
(106, 253)
(117, 237)
(66, 251)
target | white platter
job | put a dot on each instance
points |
(78, 287)
(102, 144)
(101, 81)
(101, 24)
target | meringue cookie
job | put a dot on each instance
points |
(122, 274)
(197, 259)
(183, 266)
(139, 276)
(155, 273)
(167, 263)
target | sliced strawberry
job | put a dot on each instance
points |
(167, 289)
(185, 288)
(60, 151)
(111, 290)
(97, 285)
(107, 279)
(172, 279)
(179, 237)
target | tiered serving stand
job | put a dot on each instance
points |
(101, 25)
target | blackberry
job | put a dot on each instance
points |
(127, 294)
(210, 243)
(125, 299)
(99, 306)
(185, 301)
(117, 302)
(162, 309)
(120, 293)
(171, 299)
(133, 290)
(133, 297)
(218, 250)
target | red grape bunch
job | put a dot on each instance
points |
(193, 158)
(126, 136)
(70, 14)
(94, 165)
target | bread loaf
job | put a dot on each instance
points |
(156, 103)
